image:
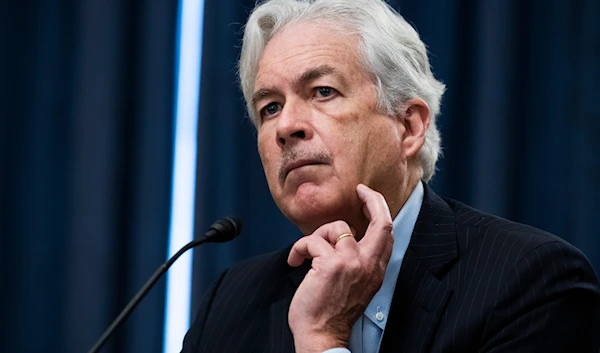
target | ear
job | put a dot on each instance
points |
(416, 122)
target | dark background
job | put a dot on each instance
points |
(86, 140)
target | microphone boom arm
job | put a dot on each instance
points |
(142, 293)
(221, 231)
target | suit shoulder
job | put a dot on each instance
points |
(513, 243)
(238, 310)
(478, 225)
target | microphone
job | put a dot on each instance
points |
(221, 231)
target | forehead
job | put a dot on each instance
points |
(304, 46)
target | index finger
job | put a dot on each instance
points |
(308, 247)
(378, 238)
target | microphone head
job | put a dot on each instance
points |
(224, 230)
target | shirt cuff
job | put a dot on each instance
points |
(337, 350)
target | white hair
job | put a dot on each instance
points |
(389, 50)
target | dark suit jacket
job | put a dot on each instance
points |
(469, 282)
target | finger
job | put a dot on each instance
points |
(378, 238)
(309, 247)
(331, 232)
(353, 230)
(350, 242)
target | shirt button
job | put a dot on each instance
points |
(379, 316)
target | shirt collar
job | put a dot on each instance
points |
(403, 226)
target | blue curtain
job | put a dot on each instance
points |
(519, 121)
(86, 145)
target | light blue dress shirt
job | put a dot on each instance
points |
(368, 330)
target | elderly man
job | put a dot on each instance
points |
(344, 102)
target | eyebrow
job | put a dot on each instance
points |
(307, 76)
(313, 74)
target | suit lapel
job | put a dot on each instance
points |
(418, 304)
(420, 298)
(281, 339)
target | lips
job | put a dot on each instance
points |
(296, 158)
(298, 164)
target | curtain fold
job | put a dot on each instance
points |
(86, 166)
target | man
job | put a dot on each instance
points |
(345, 103)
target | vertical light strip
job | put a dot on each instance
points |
(189, 56)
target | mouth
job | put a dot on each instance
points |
(299, 164)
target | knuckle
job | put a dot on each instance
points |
(387, 226)
(382, 267)
(369, 267)
(379, 196)
(306, 239)
(340, 226)
(355, 266)
(377, 267)
(337, 264)
(299, 243)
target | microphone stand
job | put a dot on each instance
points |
(142, 293)
(221, 231)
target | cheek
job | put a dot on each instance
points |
(344, 137)
(349, 152)
(384, 149)
(372, 145)
(269, 160)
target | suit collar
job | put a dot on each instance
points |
(418, 305)
(420, 298)
(434, 235)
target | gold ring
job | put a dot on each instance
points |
(345, 235)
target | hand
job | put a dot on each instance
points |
(343, 279)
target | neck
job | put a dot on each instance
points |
(396, 198)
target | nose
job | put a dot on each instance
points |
(293, 124)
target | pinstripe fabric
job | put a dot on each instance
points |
(470, 282)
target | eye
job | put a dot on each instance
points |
(270, 109)
(325, 92)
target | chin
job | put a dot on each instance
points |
(313, 206)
